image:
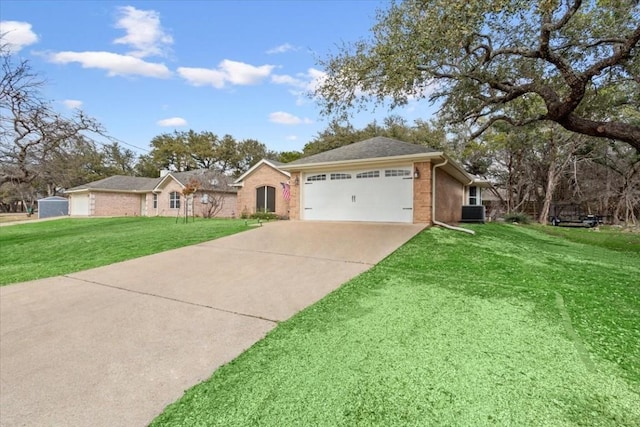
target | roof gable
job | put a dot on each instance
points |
(270, 163)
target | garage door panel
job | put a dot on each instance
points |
(373, 196)
(80, 204)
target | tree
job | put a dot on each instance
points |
(171, 151)
(212, 188)
(118, 160)
(34, 138)
(147, 166)
(559, 61)
(250, 152)
(186, 151)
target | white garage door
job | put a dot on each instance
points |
(79, 204)
(379, 195)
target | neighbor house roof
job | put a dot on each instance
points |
(136, 184)
(378, 147)
(183, 179)
(119, 183)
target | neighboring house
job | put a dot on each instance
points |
(380, 179)
(260, 189)
(135, 196)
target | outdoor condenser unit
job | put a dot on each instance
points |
(473, 213)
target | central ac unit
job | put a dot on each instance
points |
(473, 213)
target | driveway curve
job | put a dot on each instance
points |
(112, 346)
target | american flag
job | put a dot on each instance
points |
(286, 192)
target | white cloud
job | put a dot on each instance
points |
(302, 84)
(16, 35)
(283, 118)
(284, 79)
(144, 32)
(292, 138)
(72, 104)
(202, 76)
(316, 78)
(232, 72)
(172, 122)
(115, 64)
(282, 48)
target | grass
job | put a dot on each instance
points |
(606, 237)
(51, 248)
(511, 326)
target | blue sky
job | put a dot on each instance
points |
(144, 68)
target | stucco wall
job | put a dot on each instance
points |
(449, 194)
(115, 204)
(263, 175)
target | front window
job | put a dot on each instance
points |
(155, 201)
(474, 196)
(266, 199)
(174, 200)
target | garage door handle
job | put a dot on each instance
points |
(307, 209)
(407, 209)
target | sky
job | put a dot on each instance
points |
(144, 68)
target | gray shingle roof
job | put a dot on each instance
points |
(121, 183)
(184, 177)
(368, 149)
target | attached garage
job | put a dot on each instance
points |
(373, 194)
(378, 180)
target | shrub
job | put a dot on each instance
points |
(519, 217)
(265, 216)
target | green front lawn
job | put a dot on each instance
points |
(52, 248)
(511, 326)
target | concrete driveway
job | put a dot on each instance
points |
(114, 345)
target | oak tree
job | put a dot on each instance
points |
(571, 62)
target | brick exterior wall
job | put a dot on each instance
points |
(115, 204)
(422, 194)
(164, 205)
(228, 201)
(294, 203)
(229, 209)
(263, 175)
(449, 196)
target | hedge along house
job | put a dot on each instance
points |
(380, 180)
(260, 189)
(136, 196)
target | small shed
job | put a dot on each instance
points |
(53, 206)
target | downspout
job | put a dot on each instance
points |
(433, 203)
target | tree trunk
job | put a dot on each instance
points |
(552, 178)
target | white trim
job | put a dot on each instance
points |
(361, 163)
(454, 169)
